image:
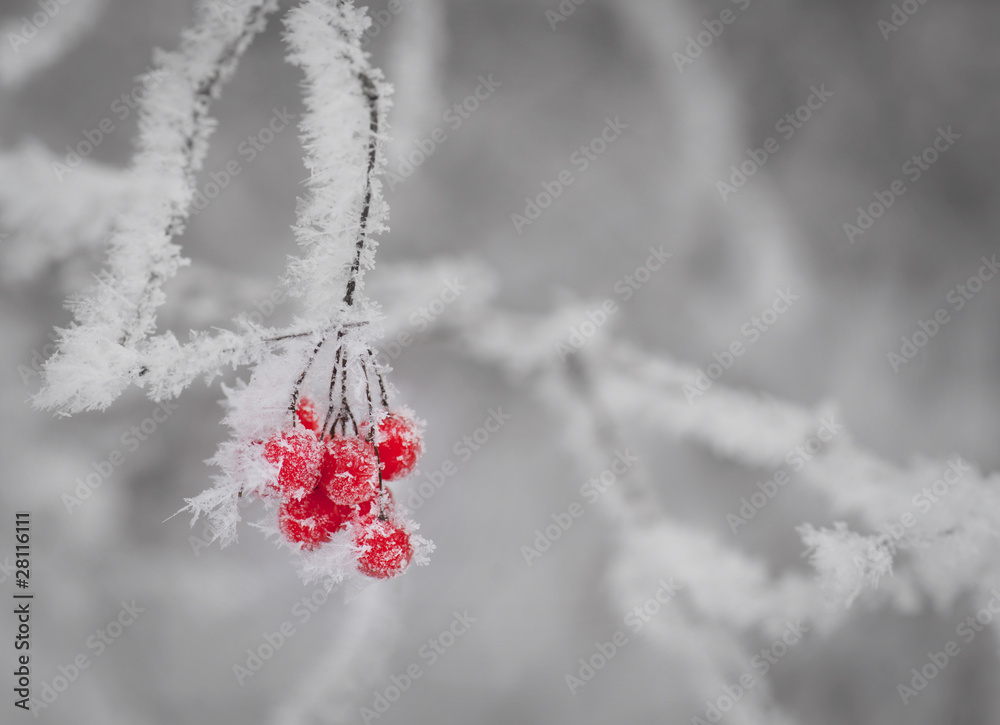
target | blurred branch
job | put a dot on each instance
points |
(31, 47)
(949, 544)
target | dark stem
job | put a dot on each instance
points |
(344, 412)
(345, 407)
(301, 379)
(371, 95)
(308, 333)
(381, 380)
(368, 395)
(371, 437)
(333, 384)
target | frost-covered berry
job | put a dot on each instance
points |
(312, 520)
(399, 446)
(304, 533)
(385, 549)
(306, 410)
(367, 510)
(298, 455)
(350, 470)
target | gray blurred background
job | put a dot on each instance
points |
(655, 185)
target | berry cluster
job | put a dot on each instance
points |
(329, 482)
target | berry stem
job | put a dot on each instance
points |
(302, 376)
(368, 395)
(344, 412)
(371, 432)
(381, 380)
(344, 404)
(310, 333)
(333, 384)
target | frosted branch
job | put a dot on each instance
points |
(343, 134)
(100, 354)
(945, 515)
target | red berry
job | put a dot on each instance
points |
(298, 455)
(304, 533)
(385, 549)
(311, 520)
(370, 509)
(306, 410)
(350, 470)
(399, 446)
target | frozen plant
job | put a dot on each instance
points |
(933, 525)
(315, 435)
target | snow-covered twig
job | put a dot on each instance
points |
(328, 351)
(944, 515)
(344, 209)
(101, 353)
(718, 584)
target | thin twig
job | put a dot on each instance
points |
(371, 94)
